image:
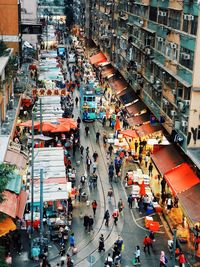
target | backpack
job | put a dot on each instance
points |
(166, 259)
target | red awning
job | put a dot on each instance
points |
(16, 158)
(6, 226)
(118, 85)
(98, 58)
(135, 120)
(147, 129)
(106, 71)
(190, 200)
(181, 178)
(166, 158)
(129, 133)
(136, 108)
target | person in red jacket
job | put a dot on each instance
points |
(182, 260)
(147, 243)
(94, 206)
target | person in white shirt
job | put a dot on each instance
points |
(137, 254)
(109, 261)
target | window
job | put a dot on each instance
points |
(175, 19)
(162, 16)
(153, 13)
(171, 51)
(190, 24)
(160, 44)
(198, 133)
(194, 25)
(186, 58)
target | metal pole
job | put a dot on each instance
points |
(174, 249)
(32, 172)
(41, 202)
(40, 116)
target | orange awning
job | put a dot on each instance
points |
(47, 126)
(118, 85)
(68, 121)
(129, 133)
(106, 71)
(29, 124)
(6, 226)
(14, 204)
(61, 128)
(147, 129)
(166, 158)
(98, 58)
(181, 178)
(136, 108)
(139, 119)
(16, 158)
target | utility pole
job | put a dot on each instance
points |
(174, 249)
(32, 172)
(41, 203)
(40, 115)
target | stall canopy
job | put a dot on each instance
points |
(127, 96)
(129, 133)
(98, 58)
(181, 178)
(190, 200)
(14, 204)
(136, 107)
(16, 158)
(118, 85)
(107, 71)
(139, 119)
(147, 129)
(6, 226)
(166, 158)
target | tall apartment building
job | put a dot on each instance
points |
(155, 44)
(9, 23)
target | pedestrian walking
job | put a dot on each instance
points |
(44, 262)
(110, 150)
(136, 145)
(94, 166)
(94, 180)
(82, 180)
(78, 120)
(152, 237)
(182, 260)
(150, 169)
(87, 151)
(137, 254)
(147, 242)
(120, 243)
(81, 150)
(94, 207)
(110, 195)
(86, 221)
(163, 259)
(76, 101)
(69, 261)
(107, 218)
(115, 216)
(108, 261)
(95, 156)
(146, 160)
(97, 136)
(116, 251)
(130, 201)
(91, 222)
(120, 205)
(71, 241)
(88, 163)
(101, 243)
(87, 130)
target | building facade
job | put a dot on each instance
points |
(9, 23)
(155, 46)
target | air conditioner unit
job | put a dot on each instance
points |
(151, 79)
(190, 17)
(184, 123)
(163, 14)
(139, 67)
(185, 56)
(173, 113)
(165, 102)
(177, 125)
(185, 17)
(174, 91)
(180, 106)
(159, 13)
(141, 22)
(186, 102)
(160, 39)
(173, 45)
(148, 51)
